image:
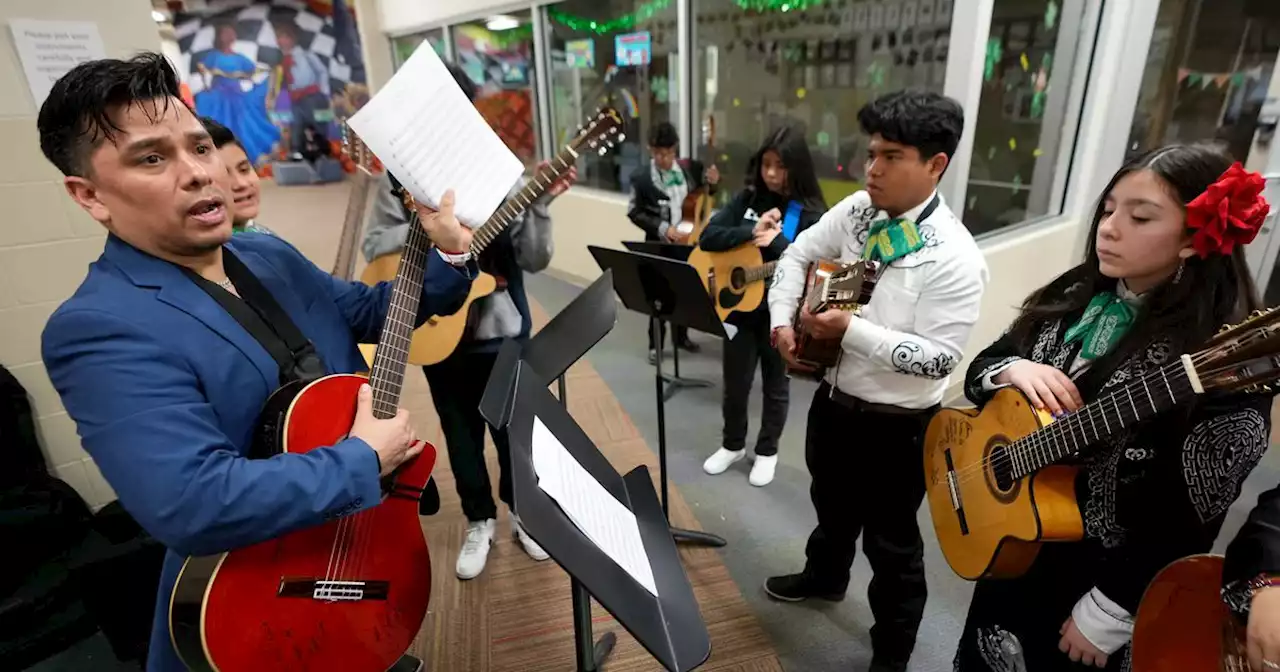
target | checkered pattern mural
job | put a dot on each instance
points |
(256, 39)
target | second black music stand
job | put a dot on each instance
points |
(676, 252)
(668, 291)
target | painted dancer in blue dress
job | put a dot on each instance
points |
(224, 99)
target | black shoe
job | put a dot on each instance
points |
(798, 588)
(689, 346)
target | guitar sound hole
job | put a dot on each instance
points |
(737, 278)
(1001, 469)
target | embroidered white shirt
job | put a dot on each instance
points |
(911, 335)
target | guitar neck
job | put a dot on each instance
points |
(1134, 402)
(761, 272)
(515, 206)
(389, 361)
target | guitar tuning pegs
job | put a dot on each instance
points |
(603, 151)
(622, 137)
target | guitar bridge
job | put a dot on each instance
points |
(334, 590)
(953, 489)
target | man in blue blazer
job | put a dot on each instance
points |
(164, 385)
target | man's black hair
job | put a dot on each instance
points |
(464, 81)
(221, 135)
(930, 122)
(76, 117)
(664, 136)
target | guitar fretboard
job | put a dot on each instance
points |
(761, 272)
(516, 205)
(1134, 402)
(392, 355)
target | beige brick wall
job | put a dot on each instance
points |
(46, 241)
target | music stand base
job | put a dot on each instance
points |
(675, 384)
(697, 538)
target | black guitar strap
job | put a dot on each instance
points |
(260, 315)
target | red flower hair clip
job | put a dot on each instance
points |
(1229, 213)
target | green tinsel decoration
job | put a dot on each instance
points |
(778, 5)
(622, 23)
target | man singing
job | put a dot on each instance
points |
(862, 445)
(164, 384)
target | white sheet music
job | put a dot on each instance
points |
(425, 131)
(598, 514)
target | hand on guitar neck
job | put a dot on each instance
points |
(392, 439)
(442, 227)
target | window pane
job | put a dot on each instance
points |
(815, 68)
(1018, 139)
(1207, 74)
(403, 47)
(500, 62)
(588, 70)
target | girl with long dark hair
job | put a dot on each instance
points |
(781, 199)
(1164, 270)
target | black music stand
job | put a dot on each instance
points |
(677, 252)
(668, 291)
(669, 624)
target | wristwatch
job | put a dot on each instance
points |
(1239, 595)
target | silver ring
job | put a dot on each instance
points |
(1270, 665)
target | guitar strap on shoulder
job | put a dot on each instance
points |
(261, 315)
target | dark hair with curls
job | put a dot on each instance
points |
(76, 117)
(664, 136)
(1210, 292)
(930, 122)
(789, 142)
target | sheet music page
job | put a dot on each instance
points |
(425, 131)
(608, 523)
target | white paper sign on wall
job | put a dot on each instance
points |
(49, 49)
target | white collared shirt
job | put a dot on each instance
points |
(911, 335)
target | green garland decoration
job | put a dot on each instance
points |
(622, 23)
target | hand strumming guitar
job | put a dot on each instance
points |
(443, 227)
(767, 228)
(392, 439)
(784, 341)
(1264, 630)
(1048, 388)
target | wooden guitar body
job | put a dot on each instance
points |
(1184, 626)
(725, 275)
(989, 525)
(347, 595)
(439, 336)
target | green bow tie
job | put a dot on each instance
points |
(671, 178)
(1105, 321)
(891, 239)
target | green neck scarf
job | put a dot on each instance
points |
(671, 178)
(891, 239)
(1105, 321)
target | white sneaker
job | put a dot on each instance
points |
(475, 550)
(762, 470)
(530, 546)
(721, 460)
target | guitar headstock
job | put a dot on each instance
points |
(849, 287)
(1243, 357)
(601, 133)
(359, 153)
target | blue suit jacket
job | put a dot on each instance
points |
(165, 388)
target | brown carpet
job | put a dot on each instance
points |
(517, 614)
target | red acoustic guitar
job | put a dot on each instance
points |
(345, 596)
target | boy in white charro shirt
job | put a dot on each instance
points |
(862, 445)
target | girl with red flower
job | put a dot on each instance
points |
(1163, 271)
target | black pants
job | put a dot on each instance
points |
(741, 354)
(868, 478)
(680, 334)
(457, 384)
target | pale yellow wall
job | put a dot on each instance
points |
(46, 242)
(1019, 263)
(375, 45)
